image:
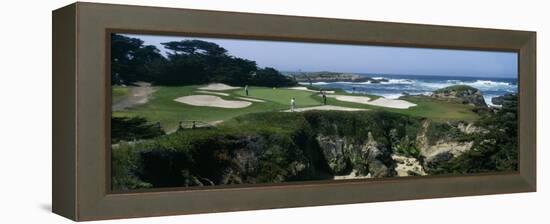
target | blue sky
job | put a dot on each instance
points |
(294, 56)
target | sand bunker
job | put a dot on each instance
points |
(251, 99)
(353, 99)
(212, 101)
(218, 87)
(213, 93)
(398, 104)
(326, 107)
(381, 102)
(303, 88)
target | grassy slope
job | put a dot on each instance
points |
(164, 109)
(118, 92)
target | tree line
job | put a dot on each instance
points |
(188, 62)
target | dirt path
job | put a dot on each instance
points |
(137, 95)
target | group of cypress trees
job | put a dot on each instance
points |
(188, 62)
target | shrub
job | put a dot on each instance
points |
(132, 128)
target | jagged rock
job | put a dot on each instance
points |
(333, 150)
(460, 94)
(378, 158)
(506, 99)
(469, 128)
(421, 137)
(437, 160)
(207, 182)
(190, 180)
(442, 150)
(408, 166)
(378, 169)
(369, 158)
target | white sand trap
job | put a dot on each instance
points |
(310, 90)
(218, 87)
(326, 107)
(212, 101)
(353, 99)
(251, 99)
(398, 104)
(381, 102)
(213, 93)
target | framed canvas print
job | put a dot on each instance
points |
(203, 111)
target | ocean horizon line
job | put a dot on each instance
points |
(374, 74)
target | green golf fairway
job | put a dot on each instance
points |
(162, 108)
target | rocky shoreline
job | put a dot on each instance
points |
(334, 77)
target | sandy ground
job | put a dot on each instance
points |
(212, 101)
(218, 87)
(310, 90)
(381, 102)
(326, 107)
(352, 175)
(213, 93)
(251, 99)
(138, 95)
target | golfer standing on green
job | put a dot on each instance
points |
(246, 90)
(292, 104)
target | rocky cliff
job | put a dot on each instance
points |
(460, 94)
(369, 158)
(315, 145)
(505, 100)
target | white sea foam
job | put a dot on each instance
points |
(320, 83)
(488, 98)
(398, 81)
(314, 83)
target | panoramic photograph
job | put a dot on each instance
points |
(199, 112)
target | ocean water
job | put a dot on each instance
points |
(420, 84)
